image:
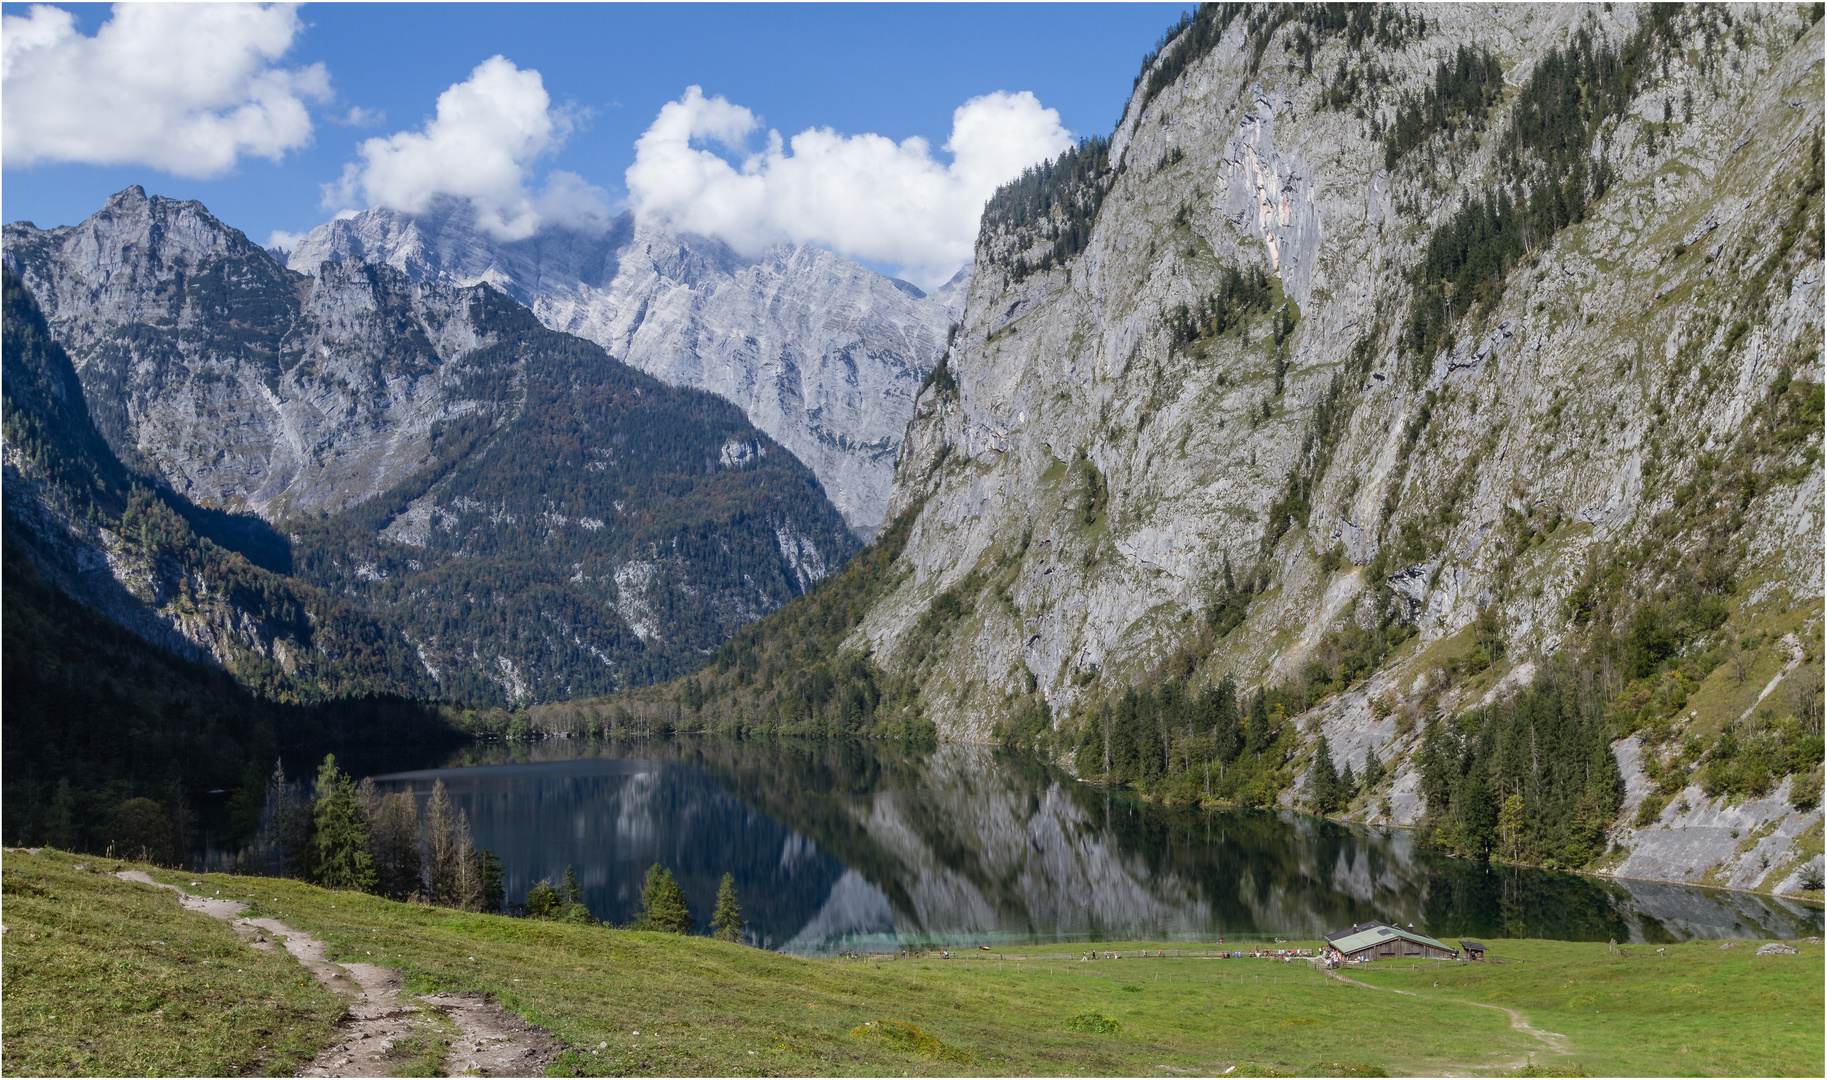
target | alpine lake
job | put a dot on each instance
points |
(850, 846)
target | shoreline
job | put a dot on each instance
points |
(1822, 902)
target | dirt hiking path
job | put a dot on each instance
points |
(1552, 1042)
(387, 1028)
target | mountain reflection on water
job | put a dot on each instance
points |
(850, 845)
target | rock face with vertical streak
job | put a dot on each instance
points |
(821, 354)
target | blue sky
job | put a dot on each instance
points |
(891, 70)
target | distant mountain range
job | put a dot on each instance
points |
(526, 517)
(822, 354)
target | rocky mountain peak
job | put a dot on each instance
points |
(118, 265)
(821, 353)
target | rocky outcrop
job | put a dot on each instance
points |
(1089, 485)
(820, 353)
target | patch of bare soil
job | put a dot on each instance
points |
(386, 1028)
(493, 1042)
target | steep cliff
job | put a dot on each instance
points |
(821, 354)
(539, 519)
(1379, 382)
(1438, 386)
(80, 523)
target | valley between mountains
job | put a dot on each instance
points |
(1406, 415)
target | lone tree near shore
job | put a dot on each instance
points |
(663, 904)
(727, 921)
(339, 845)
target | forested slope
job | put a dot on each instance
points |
(143, 661)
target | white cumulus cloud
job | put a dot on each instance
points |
(863, 196)
(280, 240)
(481, 146)
(187, 88)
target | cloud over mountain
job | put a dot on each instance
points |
(863, 196)
(186, 88)
(482, 145)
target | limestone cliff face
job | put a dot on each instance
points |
(244, 385)
(820, 353)
(1091, 479)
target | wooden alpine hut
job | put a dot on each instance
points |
(1381, 941)
(1473, 950)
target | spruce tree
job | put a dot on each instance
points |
(571, 907)
(248, 804)
(663, 904)
(339, 847)
(1322, 780)
(727, 921)
(494, 885)
(1348, 785)
(287, 832)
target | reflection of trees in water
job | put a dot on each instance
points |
(613, 819)
(1482, 899)
(963, 839)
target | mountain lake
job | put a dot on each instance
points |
(877, 846)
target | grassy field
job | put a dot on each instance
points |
(701, 1007)
(1695, 1010)
(105, 978)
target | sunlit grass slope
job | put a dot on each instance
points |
(1693, 1010)
(656, 1004)
(108, 978)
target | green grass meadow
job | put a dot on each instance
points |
(106, 978)
(657, 1004)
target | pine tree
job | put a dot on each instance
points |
(1322, 780)
(663, 904)
(727, 921)
(1373, 770)
(339, 848)
(1348, 785)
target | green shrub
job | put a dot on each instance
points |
(1806, 793)
(1649, 810)
(1096, 1023)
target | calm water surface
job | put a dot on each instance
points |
(875, 846)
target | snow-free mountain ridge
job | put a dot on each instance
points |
(820, 353)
